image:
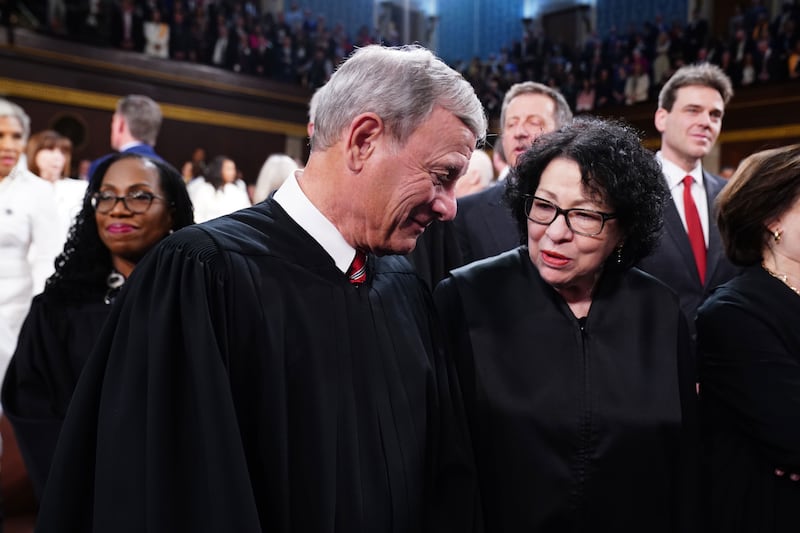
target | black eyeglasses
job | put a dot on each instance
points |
(137, 202)
(581, 221)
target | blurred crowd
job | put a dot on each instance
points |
(299, 46)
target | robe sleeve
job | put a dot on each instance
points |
(460, 368)
(748, 369)
(457, 505)
(37, 388)
(685, 492)
(151, 440)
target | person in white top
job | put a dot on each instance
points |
(156, 36)
(220, 192)
(29, 238)
(49, 155)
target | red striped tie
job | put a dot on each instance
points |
(694, 228)
(358, 269)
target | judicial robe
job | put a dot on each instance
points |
(243, 384)
(748, 335)
(56, 338)
(577, 425)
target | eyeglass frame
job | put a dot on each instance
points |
(94, 200)
(528, 205)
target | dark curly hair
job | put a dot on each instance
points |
(615, 168)
(84, 265)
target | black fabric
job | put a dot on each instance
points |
(575, 428)
(437, 252)
(748, 335)
(243, 384)
(673, 260)
(53, 346)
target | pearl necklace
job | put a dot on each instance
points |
(783, 277)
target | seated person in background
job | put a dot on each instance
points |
(480, 174)
(134, 203)
(576, 369)
(218, 192)
(49, 155)
(748, 340)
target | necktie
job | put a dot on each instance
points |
(694, 228)
(358, 269)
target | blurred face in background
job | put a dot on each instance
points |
(11, 144)
(50, 162)
(228, 171)
(527, 117)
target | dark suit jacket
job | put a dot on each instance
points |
(484, 224)
(673, 261)
(143, 149)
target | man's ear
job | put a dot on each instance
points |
(362, 137)
(660, 119)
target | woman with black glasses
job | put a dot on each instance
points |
(575, 367)
(136, 202)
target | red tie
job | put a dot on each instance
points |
(358, 269)
(694, 228)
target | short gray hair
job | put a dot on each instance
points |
(10, 109)
(143, 116)
(563, 114)
(402, 85)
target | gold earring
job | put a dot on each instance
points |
(777, 234)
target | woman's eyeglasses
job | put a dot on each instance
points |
(581, 221)
(136, 202)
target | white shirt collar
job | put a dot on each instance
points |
(675, 174)
(128, 146)
(297, 205)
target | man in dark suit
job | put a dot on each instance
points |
(483, 224)
(134, 128)
(689, 116)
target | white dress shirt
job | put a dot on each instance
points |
(674, 176)
(297, 205)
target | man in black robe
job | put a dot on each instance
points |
(248, 380)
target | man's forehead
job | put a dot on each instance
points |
(531, 104)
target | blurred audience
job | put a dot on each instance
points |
(219, 192)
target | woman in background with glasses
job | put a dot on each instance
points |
(575, 367)
(136, 202)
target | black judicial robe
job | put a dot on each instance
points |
(576, 425)
(748, 335)
(243, 384)
(55, 341)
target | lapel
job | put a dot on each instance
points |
(715, 252)
(494, 217)
(673, 227)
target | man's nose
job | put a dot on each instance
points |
(444, 204)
